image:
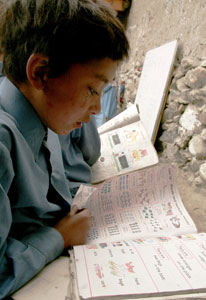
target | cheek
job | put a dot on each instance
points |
(73, 110)
(81, 102)
(72, 105)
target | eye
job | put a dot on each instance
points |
(92, 91)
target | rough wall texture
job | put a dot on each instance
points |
(155, 22)
(182, 135)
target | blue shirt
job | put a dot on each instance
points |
(108, 105)
(80, 150)
(27, 240)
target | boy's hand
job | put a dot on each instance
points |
(74, 227)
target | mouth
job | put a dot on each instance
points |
(78, 124)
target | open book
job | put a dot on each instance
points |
(142, 245)
(142, 241)
(125, 146)
(125, 139)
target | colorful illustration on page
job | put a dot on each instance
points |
(120, 160)
(175, 222)
(98, 271)
(131, 136)
(135, 155)
(167, 207)
(186, 237)
(138, 154)
(120, 270)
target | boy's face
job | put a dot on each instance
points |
(72, 97)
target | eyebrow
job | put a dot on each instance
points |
(102, 78)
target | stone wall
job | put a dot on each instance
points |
(181, 138)
(182, 135)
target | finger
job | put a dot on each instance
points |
(85, 212)
(74, 209)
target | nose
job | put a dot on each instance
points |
(96, 107)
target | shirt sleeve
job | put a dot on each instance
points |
(21, 259)
(109, 101)
(89, 142)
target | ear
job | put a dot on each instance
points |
(37, 70)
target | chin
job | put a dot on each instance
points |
(64, 132)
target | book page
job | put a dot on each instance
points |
(128, 116)
(153, 86)
(82, 195)
(123, 150)
(142, 267)
(143, 203)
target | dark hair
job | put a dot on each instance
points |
(67, 31)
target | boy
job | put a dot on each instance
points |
(58, 55)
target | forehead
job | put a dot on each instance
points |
(99, 70)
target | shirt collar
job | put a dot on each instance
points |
(14, 103)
